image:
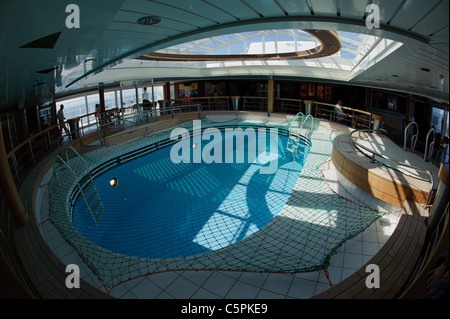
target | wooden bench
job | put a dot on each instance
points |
(396, 261)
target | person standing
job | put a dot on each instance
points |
(61, 121)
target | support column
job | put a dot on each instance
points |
(9, 190)
(167, 91)
(407, 110)
(121, 105)
(136, 91)
(270, 95)
(101, 93)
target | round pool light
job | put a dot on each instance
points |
(195, 145)
(113, 182)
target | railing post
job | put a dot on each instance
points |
(49, 140)
(31, 151)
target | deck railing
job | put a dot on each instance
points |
(23, 157)
(353, 117)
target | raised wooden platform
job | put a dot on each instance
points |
(385, 183)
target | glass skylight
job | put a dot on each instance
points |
(354, 46)
(258, 42)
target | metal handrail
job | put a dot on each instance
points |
(396, 162)
(353, 113)
(66, 162)
(75, 176)
(304, 119)
(431, 144)
(413, 138)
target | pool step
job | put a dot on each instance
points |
(93, 200)
(292, 143)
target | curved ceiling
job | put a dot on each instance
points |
(41, 55)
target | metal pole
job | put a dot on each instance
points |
(153, 100)
(137, 99)
(121, 105)
(31, 151)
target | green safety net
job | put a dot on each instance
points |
(310, 225)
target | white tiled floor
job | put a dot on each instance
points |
(242, 285)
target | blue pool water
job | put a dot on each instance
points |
(160, 209)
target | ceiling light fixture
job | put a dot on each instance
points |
(149, 20)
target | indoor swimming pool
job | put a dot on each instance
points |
(163, 208)
(157, 204)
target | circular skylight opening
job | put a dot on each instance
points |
(263, 44)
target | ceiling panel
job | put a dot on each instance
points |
(130, 27)
(207, 9)
(434, 21)
(354, 9)
(235, 8)
(168, 12)
(264, 8)
(442, 34)
(132, 17)
(388, 9)
(295, 7)
(412, 11)
(327, 8)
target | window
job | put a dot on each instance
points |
(110, 100)
(438, 119)
(75, 107)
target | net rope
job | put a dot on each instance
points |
(309, 225)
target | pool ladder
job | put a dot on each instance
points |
(85, 185)
(294, 138)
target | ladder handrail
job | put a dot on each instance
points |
(78, 182)
(413, 138)
(312, 122)
(90, 178)
(293, 119)
(431, 144)
(304, 119)
(76, 153)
